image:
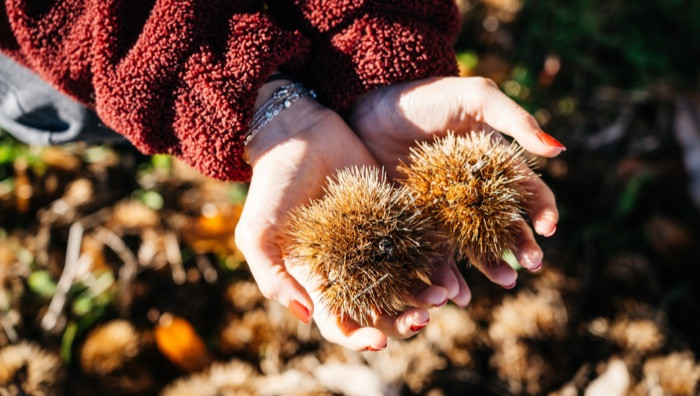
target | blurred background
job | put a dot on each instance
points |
(119, 274)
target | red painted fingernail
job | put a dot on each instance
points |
(440, 304)
(536, 268)
(299, 311)
(374, 349)
(550, 141)
(512, 285)
(417, 327)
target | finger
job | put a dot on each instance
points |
(541, 207)
(501, 112)
(264, 259)
(443, 276)
(429, 297)
(528, 252)
(404, 325)
(464, 295)
(500, 273)
(342, 331)
(348, 333)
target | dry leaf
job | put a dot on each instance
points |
(614, 381)
(180, 343)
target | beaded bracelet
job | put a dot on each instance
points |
(281, 99)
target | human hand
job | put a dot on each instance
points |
(391, 119)
(292, 157)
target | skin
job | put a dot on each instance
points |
(391, 119)
(292, 157)
(295, 153)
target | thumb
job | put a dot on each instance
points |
(503, 114)
(435, 106)
(264, 257)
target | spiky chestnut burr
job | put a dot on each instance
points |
(27, 369)
(367, 241)
(473, 186)
(233, 378)
(110, 347)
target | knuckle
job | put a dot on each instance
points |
(486, 83)
(269, 291)
(529, 118)
(278, 284)
(270, 283)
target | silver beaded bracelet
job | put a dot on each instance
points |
(281, 99)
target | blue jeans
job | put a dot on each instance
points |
(36, 113)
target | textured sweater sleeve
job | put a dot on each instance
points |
(173, 76)
(358, 45)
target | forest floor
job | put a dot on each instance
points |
(119, 273)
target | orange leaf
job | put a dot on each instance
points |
(213, 232)
(177, 340)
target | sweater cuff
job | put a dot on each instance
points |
(377, 51)
(202, 117)
(216, 103)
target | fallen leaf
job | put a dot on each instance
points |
(180, 343)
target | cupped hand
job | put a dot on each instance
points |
(390, 120)
(292, 156)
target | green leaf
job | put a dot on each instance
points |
(510, 258)
(67, 341)
(150, 198)
(7, 154)
(162, 162)
(468, 58)
(7, 186)
(96, 154)
(83, 304)
(41, 283)
(238, 192)
(628, 198)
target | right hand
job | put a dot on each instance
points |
(292, 156)
(391, 119)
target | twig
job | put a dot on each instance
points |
(59, 211)
(147, 251)
(172, 252)
(70, 268)
(127, 272)
(208, 271)
(370, 287)
(9, 329)
(611, 133)
(43, 240)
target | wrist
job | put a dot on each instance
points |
(284, 119)
(267, 89)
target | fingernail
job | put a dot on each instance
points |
(440, 304)
(550, 233)
(512, 285)
(532, 260)
(299, 311)
(374, 348)
(417, 327)
(535, 268)
(543, 228)
(469, 299)
(550, 141)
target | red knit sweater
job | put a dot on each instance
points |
(181, 76)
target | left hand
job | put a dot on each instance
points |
(390, 120)
(291, 158)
